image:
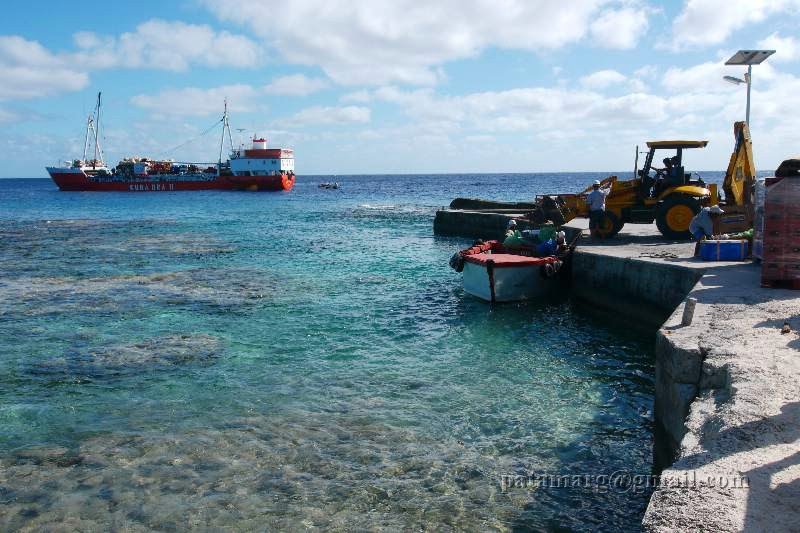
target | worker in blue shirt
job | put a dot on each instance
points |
(597, 206)
(702, 225)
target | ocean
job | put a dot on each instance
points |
(286, 361)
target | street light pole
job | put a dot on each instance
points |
(749, 84)
(749, 58)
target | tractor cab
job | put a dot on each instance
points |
(657, 179)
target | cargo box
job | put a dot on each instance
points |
(732, 250)
(736, 218)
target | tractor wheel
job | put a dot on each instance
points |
(609, 225)
(674, 214)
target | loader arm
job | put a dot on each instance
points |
(741, 174)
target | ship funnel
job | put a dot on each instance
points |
(259, 144)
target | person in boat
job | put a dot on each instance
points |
(511, 227)
(514, 237)
(597, 206)
(561, 242)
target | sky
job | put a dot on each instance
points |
(402, 86)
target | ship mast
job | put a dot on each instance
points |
(89, 128)
(96, 134)
(225, 127)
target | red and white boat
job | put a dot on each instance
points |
(258, 168)
(495, 273)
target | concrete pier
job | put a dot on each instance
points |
(727, 406)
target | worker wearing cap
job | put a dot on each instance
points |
(511, 227)
(702, 225)
(597, 206)
(513, 236)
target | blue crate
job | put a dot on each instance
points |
(729, 250)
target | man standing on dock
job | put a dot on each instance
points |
(597, 207)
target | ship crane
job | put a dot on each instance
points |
(93, 130)
(226, 127)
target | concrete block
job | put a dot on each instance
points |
(472, 224)
(715, 376)
(682, 364)
(672, 405)
(643, 291)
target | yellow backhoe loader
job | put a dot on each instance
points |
(669, 195)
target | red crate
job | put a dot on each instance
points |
(782, 217)
(793, 284)
(780, 265)
(780, 269)
(782, 251)
(784, 238)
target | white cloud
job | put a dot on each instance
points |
(7, 116)
(532, 109)
(363, 96)
(296, 85)
(619, 28)
(637, 86)
(647, 71)
(705, 76)
(602, 79)
(31, 71)
(480, 139)
(708, 77)
(709, 22)
(193, 101)
(786, 48)
(374, 42)
(166, 45)
(332, 115)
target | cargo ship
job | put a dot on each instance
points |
(257, 168)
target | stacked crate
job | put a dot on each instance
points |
(758, 220)
(780, 266)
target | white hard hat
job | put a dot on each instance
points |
(596, 183)
(717, 210)
(512, 223)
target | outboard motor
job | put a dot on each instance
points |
(457, 262)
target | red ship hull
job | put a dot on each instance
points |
(73, 179)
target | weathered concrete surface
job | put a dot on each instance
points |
(745, 422)
(728, 393)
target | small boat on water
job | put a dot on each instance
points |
(496, 272)
(329, 185)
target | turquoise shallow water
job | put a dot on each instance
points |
(298, 360)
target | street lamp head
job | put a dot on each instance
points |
(734, 80)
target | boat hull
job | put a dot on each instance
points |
(511, 284)
(75, 179)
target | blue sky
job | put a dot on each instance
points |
(398, 86)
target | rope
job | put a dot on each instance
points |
(173, 149)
